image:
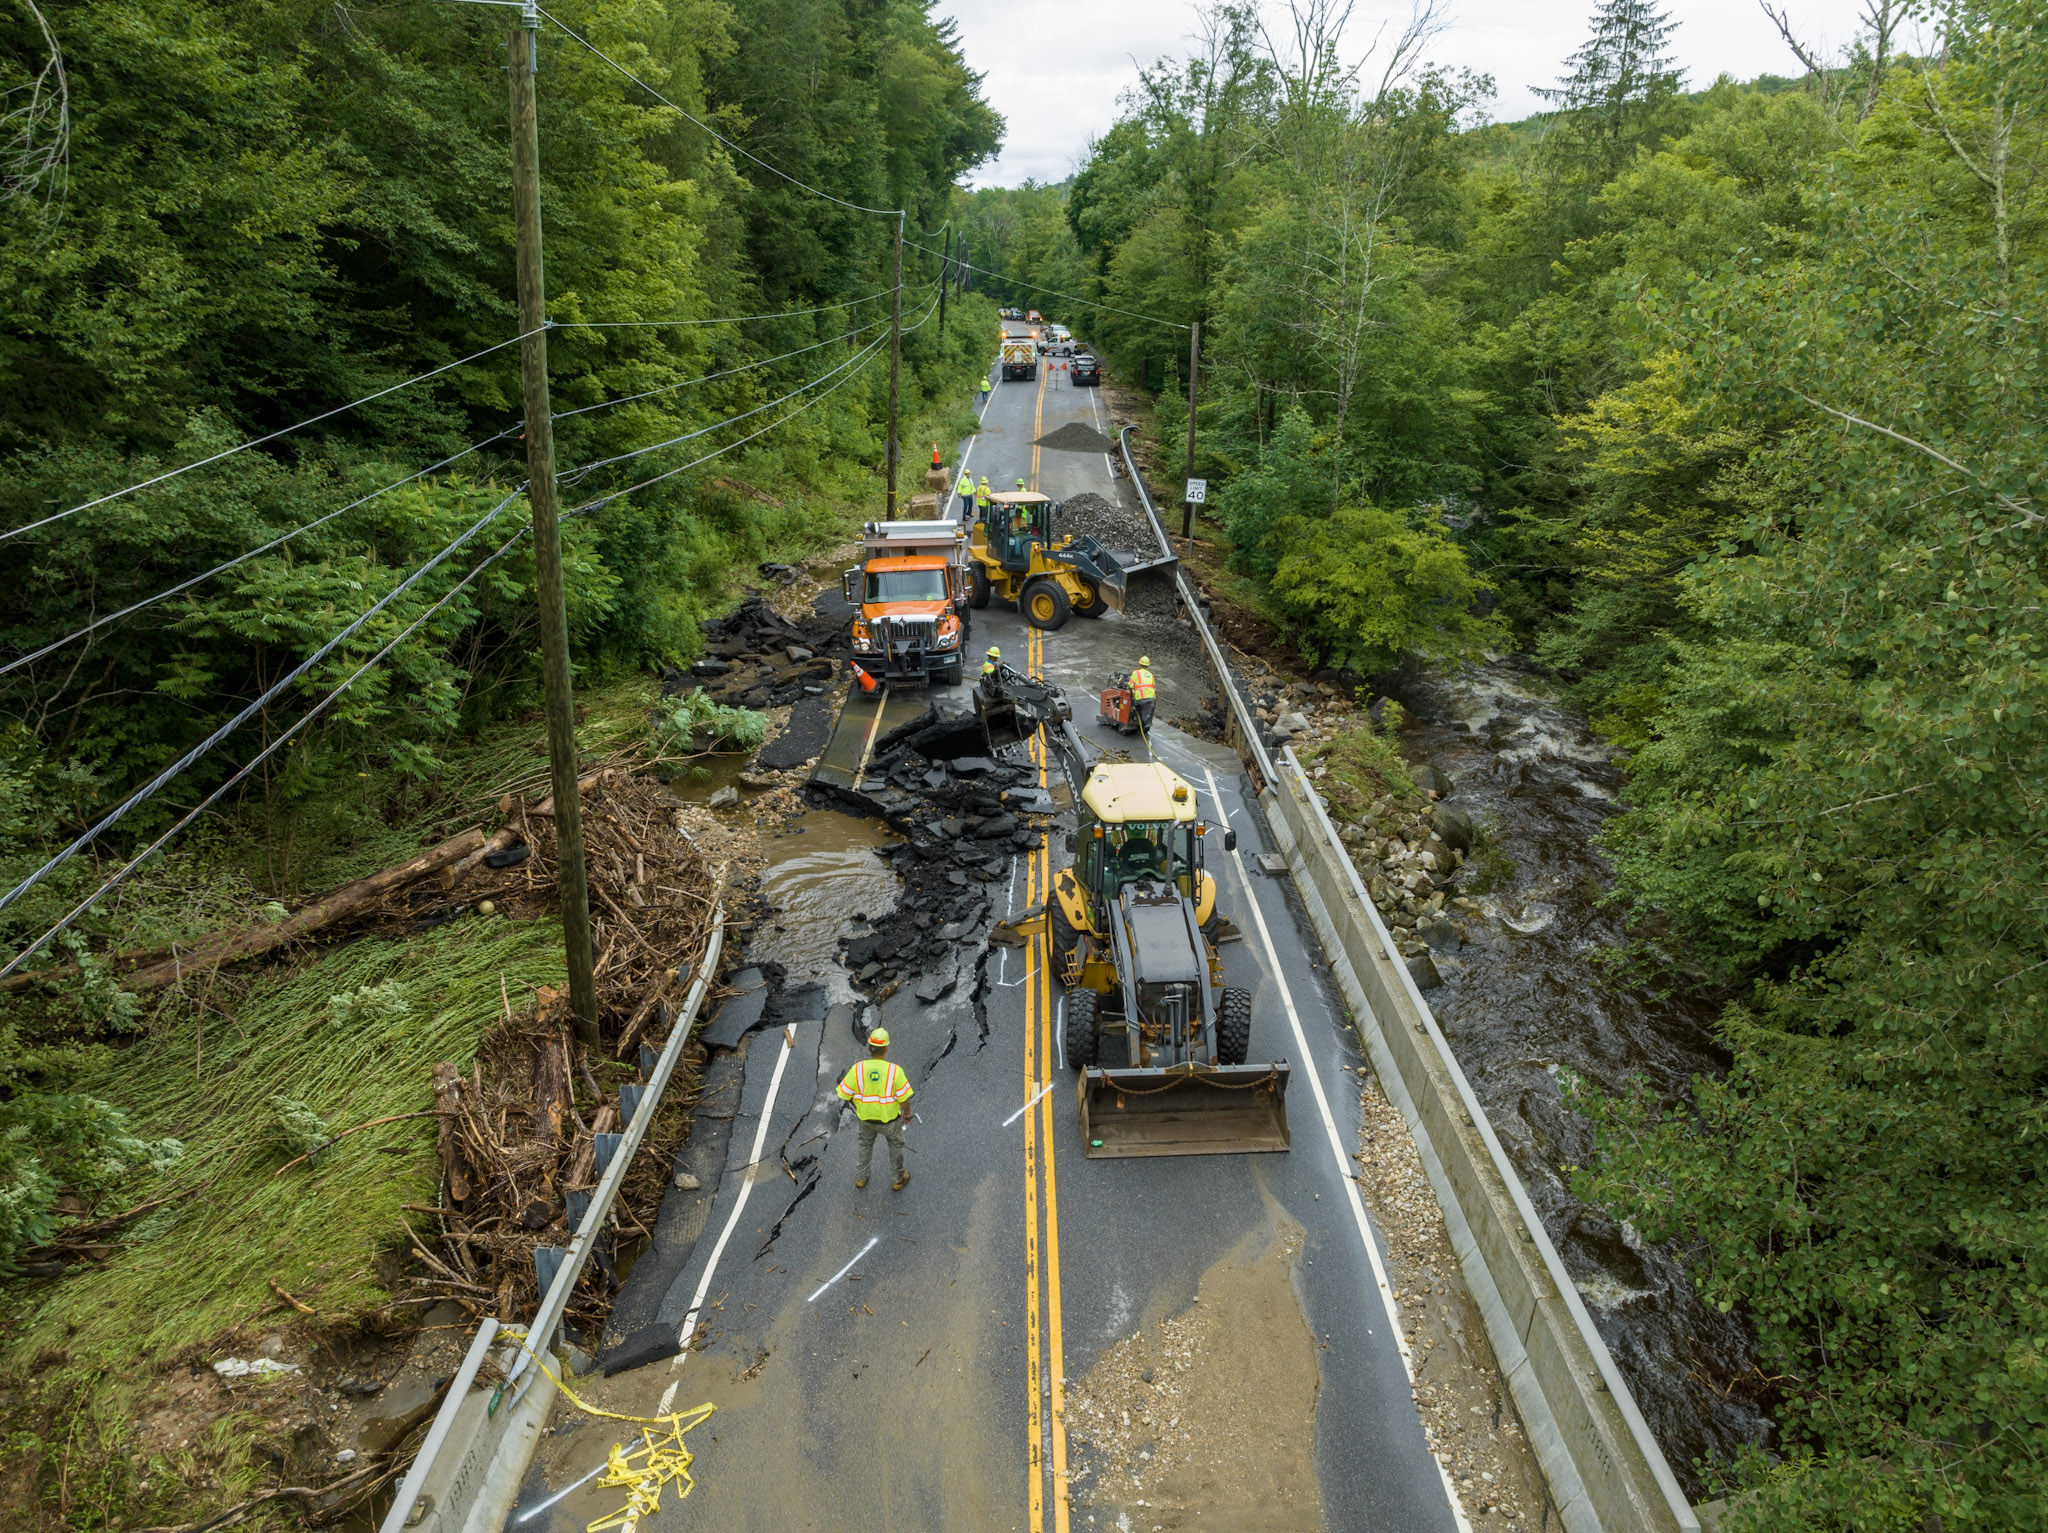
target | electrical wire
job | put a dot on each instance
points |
(868, 352)
(277, 542)
(128, 868)
(175, 768)
(1037, 288)
(745, 367)
(587, 469)
(736, 319)
(707, 128)
(283, 431)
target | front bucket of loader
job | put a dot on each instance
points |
(1144, 583)
(1183, 1110)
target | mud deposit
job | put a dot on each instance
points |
(822, 870)
(1208, 1420)
(1523, 1002)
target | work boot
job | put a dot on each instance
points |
(900, 1183)
(859, 1182)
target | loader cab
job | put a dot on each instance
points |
(1138, 825)
(1014, 521)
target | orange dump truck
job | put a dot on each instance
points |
(910, 598)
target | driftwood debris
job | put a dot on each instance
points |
(154, 968)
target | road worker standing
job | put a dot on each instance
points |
(880, 1094)
(1144, 690)
(989, 666)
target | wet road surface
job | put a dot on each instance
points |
(905, 1360)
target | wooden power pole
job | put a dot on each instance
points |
(1187, 515)
(547, 536)
(895, 365)
(945, 271)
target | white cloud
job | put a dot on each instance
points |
(1056, 67)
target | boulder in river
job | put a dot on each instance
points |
(1422, 968)
(1430, 780)
(1454, 825)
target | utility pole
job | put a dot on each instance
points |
(547, 537)
(1187, 515)
(895, 364)
(945, 271)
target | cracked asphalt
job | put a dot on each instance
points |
(902, 1361)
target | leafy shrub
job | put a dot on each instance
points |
(694, 718)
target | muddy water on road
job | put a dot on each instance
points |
(1523, 1001)
(822, 873)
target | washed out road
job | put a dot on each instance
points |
(923, 1359)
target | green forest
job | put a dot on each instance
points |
(1724, 401)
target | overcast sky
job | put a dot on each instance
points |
(1056, 67)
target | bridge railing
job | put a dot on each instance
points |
(1605, 1470)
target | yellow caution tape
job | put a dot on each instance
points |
(663, 1459)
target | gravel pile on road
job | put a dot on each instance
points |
(1112, 525)
(1075, 437)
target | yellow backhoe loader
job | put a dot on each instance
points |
(1161, 1042)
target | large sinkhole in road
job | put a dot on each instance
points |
(821, 871)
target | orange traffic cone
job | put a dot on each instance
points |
(935, 456)
(867, 682)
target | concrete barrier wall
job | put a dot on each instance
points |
(1605, 1470)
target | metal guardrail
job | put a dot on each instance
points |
(1604, 1467)
(480, 1455)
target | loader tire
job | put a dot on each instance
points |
(1045, 605)
(1091, 603)
(1233, 1027)
(977, 588)
(1082, 1034)
(1065, 938)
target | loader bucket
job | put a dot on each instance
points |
(1183, 1110)
(1120, 583)
(1001, 724)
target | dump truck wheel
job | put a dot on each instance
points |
(1045, 605)
(953, 674)
(1091, 603)
(1082, 1035)
(977, 588)
(1233, 1028)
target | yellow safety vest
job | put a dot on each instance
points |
(1141, 685)
(878, 1088)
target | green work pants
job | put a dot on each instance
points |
(891, 1131)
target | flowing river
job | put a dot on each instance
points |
(1523, 1001)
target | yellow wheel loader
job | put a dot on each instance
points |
(1161, 1042)
(1019, 557)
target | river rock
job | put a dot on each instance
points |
(1293, 723)
(1422, 969)
(1430, 780)
(1455, 826)
(1440, 934)
(724, 798)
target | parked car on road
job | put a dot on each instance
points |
(1084, 368)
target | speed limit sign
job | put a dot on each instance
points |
(1198, 492)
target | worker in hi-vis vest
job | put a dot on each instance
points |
(1144, 690)
(880, 1094)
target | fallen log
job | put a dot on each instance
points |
(154, 968)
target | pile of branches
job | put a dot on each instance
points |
(518, 1133)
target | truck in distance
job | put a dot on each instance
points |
(910, 599)
(1020, 358)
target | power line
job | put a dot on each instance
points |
(707, 128)
(277, 542)
(736, 319)
(690, 436)
(121, 876)
(868, 353)
(284, 431)
(746, 367)
(1038, 288)
(192, 755)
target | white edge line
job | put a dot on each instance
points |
(1343, 1159)
(746, 1191)
(573, 1486)
(1042, 1090)
(873, 1241)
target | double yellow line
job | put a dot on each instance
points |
(1048, 1392)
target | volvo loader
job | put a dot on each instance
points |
(1160, 1041)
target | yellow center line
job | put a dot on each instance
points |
(1032, 1384)
(1038, 424)
(1049, 1104)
